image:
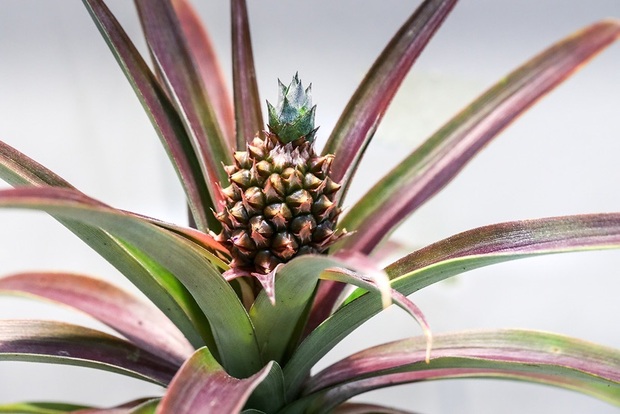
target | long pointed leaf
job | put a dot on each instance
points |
(62, 343)
(466, 251)
(159, 285)
(512, 354)
(428, 169)
(170, 53)
(39, 408)
(232, 330)
(140, 322)
(248, 112)
(202, 386)
(365, 109)
(160, 110)
(361, 408)
(203, 54)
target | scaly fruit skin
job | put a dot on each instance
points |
(280, 202)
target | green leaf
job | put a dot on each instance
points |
(159, 285)
(466, 251)
(148, 407)
(140, 322)
(248, 114)
(268, 397)
(512, 354)
(170, 53)
(62, 343)
(161, 112)
(365, 109)
(430, 167)
(202, 385)
(294, 286)
(232, 330)
(40, 408)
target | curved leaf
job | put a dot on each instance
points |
(455, 255)
(159, 285)
(232, 330)
(160, 110)
(140, 322)
(361, 408)
(248, 114)
(365, 109)
(62, 343)
(429, 168)
(148, 407)
(127, 408)
(174, 62)
(203, 54)
(202, 385)
(512, 354)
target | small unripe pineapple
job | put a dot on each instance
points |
(280, 202)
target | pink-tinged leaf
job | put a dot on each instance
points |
(158, 285)
(458, 254)
(202, 386)
(361, 408)
(203, 54)
(512, 354)
(161, 112)
(366, 108)
(140, 322)
(232, 331)
(62, 343)
(248, 112)
(370, 284)
(179, 74)
(428, 169)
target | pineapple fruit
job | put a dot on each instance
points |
(280, 201)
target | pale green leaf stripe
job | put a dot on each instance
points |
(230, 323)
(512, 354)
(159, 285)
(40, 408)
(458, 254)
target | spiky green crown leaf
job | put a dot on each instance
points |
(293, 118)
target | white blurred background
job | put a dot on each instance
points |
(65, 103)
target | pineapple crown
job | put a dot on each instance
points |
(293, 118)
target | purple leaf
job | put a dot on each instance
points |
(179, 73)
(248, 112)
(365, 109)
(428, 169)
(513, 354)
(140, 322)
(208, 66)
(202, 386)
(62, 343)
(160, 110)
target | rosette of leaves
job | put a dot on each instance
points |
(219, 285)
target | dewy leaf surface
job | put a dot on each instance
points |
(202, 386)
(160, 110)
(248, 114)
(466, 251)
(159, 285)
(232, 330)
(512, 354)
(62, 343)
(172, 57)
(203, 54)
(366, 108)
(140, 322)
(429, 168)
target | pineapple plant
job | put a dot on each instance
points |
(266, 245)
